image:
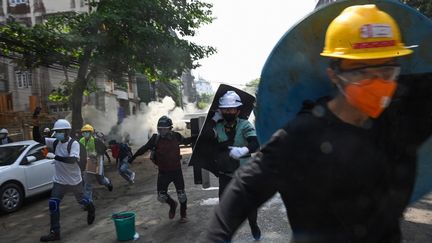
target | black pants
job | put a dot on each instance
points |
(163, 181)
(224, 180)
(165, 178)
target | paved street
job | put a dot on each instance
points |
(152, 221)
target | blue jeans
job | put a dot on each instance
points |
(123, 168)
(91, 179)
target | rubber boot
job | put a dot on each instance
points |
(173, 207)
(110, 186)
(91, 213)
(52, 236)
(183, 214)
(256, 232)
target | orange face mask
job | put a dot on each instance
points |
(370, 96)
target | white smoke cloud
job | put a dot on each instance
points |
(141, 126)
(101, 121)
(137, 129)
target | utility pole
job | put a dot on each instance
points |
(181, 94)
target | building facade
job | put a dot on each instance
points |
(23, 90)
(203, 87)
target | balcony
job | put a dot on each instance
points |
(123, 95)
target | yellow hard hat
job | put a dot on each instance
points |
(87, 128)
(364, 32)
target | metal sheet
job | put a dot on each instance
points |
(295, 71)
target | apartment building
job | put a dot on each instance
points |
(23, 90)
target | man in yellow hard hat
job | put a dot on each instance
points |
(94, 170)
(334, 176)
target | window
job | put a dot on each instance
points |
(29, 79)
(18, 78)
(3, 85)
(16, 2)
(23, 79)
(37, 152)
(9, 154)
(53, 108)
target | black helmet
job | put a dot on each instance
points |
(164, 122)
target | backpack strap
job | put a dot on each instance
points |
(55, 145)
(69, 146)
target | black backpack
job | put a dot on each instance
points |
(83, 152)
(100, 146)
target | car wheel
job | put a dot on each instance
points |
(11, 196)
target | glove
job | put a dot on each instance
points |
(217, 116)
(50, 155)
(238, 152)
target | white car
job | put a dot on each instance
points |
(24, 172)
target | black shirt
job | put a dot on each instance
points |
(334, 179)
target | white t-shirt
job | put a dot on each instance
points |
(64, 173)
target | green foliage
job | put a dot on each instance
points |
(63, 94)
(116, 38)
(204, 100)
(423, 6)
(252, 86)
(171, 88)
(202, 105)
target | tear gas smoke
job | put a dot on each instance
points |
(140, 127)
(137, 129)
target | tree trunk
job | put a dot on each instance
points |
(78, 90)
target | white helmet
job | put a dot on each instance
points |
(46, 129)
(230, 100)
(4, 131)
(61, 124)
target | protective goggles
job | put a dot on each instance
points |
(357, 75)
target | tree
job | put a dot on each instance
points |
(423, 6)
(116, 38)
(170, 88)
(252, 86)
(204, 100)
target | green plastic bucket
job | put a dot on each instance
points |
(125, 225)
